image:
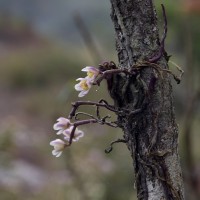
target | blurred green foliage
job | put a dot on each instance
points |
(38, 67)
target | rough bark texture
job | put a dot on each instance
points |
(152, 135)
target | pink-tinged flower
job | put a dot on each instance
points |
(61, 125)
(92, 72)
(59, 145)
(77, 134)
(84, 86)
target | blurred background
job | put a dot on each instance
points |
(44, 44)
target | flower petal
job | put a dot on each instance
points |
(59, 146)
(62, 123)
(63, 120)
(85, 69)
(57, 142)
(59, 154)
(59, 132)
(79, 79)
(54, 152)
(83, 93)
(90, 68)
(78, 87)
(78, 134)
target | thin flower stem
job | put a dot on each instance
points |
(85, 114)
(76, 105)
(79, 123)
(111, 124)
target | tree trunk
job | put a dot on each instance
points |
(152, 134)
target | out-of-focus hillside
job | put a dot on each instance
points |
(55, 18)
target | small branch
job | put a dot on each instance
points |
(111, 124)
(97, 108)
(106, 117)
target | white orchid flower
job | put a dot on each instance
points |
(92, 72)
(59, 145)
(61, 125)
(84, 86)
(77, 134)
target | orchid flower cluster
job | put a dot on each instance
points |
(69, 130)
(86, 83)
(64, 127)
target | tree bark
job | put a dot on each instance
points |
(152, 134)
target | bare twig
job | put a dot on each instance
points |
(111, 124)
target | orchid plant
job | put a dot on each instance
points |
(68, 129)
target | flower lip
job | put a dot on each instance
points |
(83, 85)
(80, 79)
(83, 93)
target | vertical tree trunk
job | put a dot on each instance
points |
(152, 135)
